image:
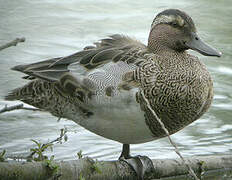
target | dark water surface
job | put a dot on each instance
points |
(58, 28)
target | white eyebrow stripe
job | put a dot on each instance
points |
(168, 19)
(180, 20)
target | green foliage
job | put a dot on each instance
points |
(81, 177)
(63, 135)
(97, 167)
(2, 154)
(201, 169)
(50, 163)
(79, 154)
(37, 153)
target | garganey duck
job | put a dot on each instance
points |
(100, 87)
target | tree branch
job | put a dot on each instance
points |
(12, 43)
(16, 107)
(208, 168)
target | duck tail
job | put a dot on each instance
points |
(13, 95)
(21, 93)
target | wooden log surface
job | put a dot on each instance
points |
(206, 167)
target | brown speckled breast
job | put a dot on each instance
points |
(179, 90)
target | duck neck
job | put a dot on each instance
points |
(161, 44)
(160, 48)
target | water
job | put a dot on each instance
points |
(59, 28)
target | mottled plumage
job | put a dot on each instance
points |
(100, 87)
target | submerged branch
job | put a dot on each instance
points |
(16, 107)
(207, 168)
(12, 43)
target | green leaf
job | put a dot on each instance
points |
(36, 142)
(79, 154)
(97, 167)
(33, 150)
(81, 177)
(2, 154)
(45, 146)
(65, 138)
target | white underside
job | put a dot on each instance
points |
(121, 120)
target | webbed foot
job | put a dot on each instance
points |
(140, 164)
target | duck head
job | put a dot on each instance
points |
(174, 30)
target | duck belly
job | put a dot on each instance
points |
(119, 119)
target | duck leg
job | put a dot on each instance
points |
(140, 164)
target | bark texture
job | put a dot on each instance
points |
(206, 167)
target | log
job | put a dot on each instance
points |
(206, 167)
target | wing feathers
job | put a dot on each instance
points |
(113, 49)
(75, 87)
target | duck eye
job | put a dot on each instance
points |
(174, 24)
